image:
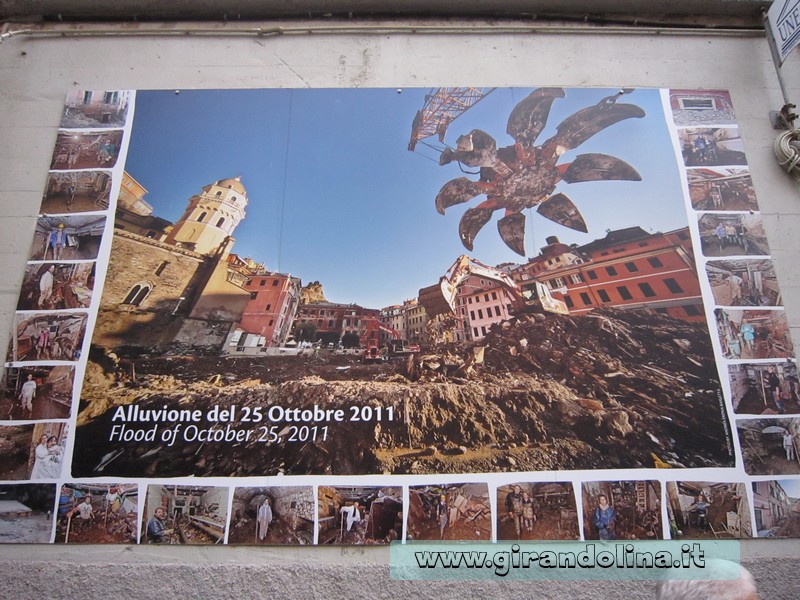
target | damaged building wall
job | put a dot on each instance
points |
(37, 72)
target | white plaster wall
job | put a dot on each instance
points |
(36, 73)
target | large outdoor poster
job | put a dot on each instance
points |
(363, 315)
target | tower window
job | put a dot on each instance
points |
(221, 222)
(202, 216)
(137, 294)
(161, 267)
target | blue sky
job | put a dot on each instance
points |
(335, 195)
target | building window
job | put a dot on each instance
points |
(330, 323)
(591, 274)
(268, 307)
(604, 295)
(486, 297)
(253, 295)
(475, 331)
(469, 299)
(262, 283)
(632, 268)
(683, 235)
(673, 286)
(611, 271)
(480, 313)
(585, 298)
(568, 301)
(698, 103)
(483, 329)
(202, 216)
(647, 290)
(624, 293)
(137, 294)
(221, 222)
(271, 321)
(274, 282)
(497, 310)
(161, 268)
(655, 262)
(692, 310)
(472, 315)
(494, 295)
(618, 250)
(576, 278)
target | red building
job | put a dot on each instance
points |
(333, 320)
(628, 268)
(269, 313)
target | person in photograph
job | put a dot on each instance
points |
(528, 514)
(46, 286)
(85, 513)
(748, 333)
(27, 394)
(43, 344)
(106, 151)
(605, 519)
(70, 195)
(720, 232)
(514, 508)
(114, 499)
(351, 515)
(788, 445)
(441, 515)
(265, 518)
(156, 533)
(47, 462)
(735, 284)
(772, 387)
(730, 234)
(699, 509)
(56, 242)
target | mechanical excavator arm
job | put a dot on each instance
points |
(440, 298)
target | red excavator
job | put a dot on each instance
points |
(397, 347)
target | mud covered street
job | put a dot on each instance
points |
(608, 390)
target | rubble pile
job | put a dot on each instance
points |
(613, 389)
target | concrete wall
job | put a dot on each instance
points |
(36, 73)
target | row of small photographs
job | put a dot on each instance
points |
(366, 515)
(718, 180)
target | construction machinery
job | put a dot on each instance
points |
(527, 297)
(522, 175)
(396, 347)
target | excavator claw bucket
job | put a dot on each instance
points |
(438, 299)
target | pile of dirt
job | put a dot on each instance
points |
(613, 389)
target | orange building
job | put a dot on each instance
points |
(333, 320)
(268, 316)
(628, 268)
